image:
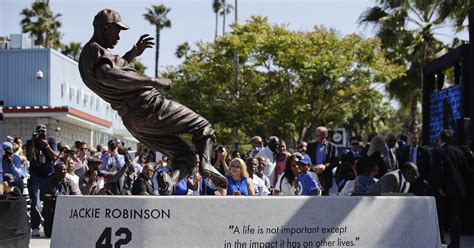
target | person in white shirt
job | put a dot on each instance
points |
(259, 172)
(258, 183)
(257, 145)
(269, 153)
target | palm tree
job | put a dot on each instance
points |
(157, 16)
(182, 50)
(41, 23)
(457, 10)
(216, 7)
(73, 50)
(225, 9)
(406, 29)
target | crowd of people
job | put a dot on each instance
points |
(384, 165)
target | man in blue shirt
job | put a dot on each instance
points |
(307, 181)
(11, 164)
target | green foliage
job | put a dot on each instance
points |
(406, 29)
(456, 10)
(156, 15)
(289, 82)
(137, 64)
(72, 50)
(182, 50)
(42, 23)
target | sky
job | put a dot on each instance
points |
(192, 20)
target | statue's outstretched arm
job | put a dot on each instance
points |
(121, 79)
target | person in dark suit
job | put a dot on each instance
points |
(422, 159)
(354, 153)
(449, 171)
(323, 156)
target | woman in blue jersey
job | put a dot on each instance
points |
(238, 179)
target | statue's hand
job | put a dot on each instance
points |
(143, 43)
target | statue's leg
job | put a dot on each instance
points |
(161, 129)
(182, 157)
(204, 140)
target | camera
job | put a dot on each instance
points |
(41, 135)
(220, 149)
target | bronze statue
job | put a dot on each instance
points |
(154, 120)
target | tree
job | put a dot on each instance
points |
(156, 15)
(72, 50)
(137, 65)
(407, 31)
(289, 82)
(456, 10)
(42, 24)
(182, 50)
(216, 7)
(225, 9)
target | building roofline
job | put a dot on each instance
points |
(45, 110)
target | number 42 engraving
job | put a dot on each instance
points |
(105, 239)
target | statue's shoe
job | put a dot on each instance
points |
(167, 182)
(212, 173)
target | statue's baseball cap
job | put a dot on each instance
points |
(109, 16)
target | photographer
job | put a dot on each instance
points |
(220, 160)
(112, 161)
(11, 164)
(80, 165)
(41, 151)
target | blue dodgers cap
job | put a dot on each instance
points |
(7, 146)
(305, 160)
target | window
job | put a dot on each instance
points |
(80, 96)
(64, 90)
(97, 105)
(72, 93)
(87, 99)
(92, 101)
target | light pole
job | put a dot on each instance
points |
(235, 130)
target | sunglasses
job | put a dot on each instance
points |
(355, 144)
(235, 166)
